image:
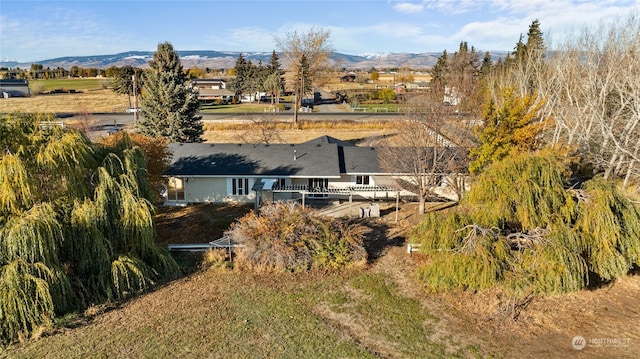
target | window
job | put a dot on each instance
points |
(175, 189)
(364, 180)
(240, 186)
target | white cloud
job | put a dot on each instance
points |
(454, 6)
(408, 8)
(63, 32)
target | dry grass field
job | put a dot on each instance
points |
(93, 97)
(362, 133)
(88, 101)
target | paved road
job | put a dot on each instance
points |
(326, 110)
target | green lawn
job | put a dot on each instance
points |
(68, 84)
(389, 107)
(242, 315)
(237, 108)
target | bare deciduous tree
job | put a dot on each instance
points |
(595, 96)
(314, 46)
(262, 128)
(421, 151)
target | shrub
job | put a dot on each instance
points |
(217, 259)
(289, 237)
(520, 228)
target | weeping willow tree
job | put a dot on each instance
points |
(521, 228)
(76, 224)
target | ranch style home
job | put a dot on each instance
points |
(244, 173)
(254, 173)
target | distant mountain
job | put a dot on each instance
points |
(227, 59)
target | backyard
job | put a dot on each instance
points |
(378, 311)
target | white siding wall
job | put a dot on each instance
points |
(206, 190)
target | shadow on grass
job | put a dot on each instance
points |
(378, 240)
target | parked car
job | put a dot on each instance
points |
(112, 130)
(132, 110)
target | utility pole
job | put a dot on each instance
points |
(135, 99)
(300, 94)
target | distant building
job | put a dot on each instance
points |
(14, 88)
(451, 97)
(213, 89)
(348, 78)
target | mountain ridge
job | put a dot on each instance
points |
(227, 59)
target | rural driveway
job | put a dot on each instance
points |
(328, 103)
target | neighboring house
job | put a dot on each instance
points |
(400, 88)
(320, 168)
(14, 88)
(348, 78)
(417, 86)
(213, 89)
(451, 97)
(214, 84)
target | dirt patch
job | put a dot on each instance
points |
(196, 223)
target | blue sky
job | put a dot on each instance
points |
(40, 30)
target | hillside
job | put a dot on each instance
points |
(227, 59)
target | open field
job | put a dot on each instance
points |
(89, 101)
(69, 84)
(378, 311)
(93, 96)
(360, 133)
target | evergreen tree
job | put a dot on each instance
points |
(303, 78)
(440, 70)
(274, 81)
(122, 81)
(520, 50)
(535, 40)
(169, 101)
(487, 64)
(239, 82)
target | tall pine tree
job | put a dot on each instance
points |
(169, 101)
(240, 81)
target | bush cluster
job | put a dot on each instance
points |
(520, 227)
(289, 237)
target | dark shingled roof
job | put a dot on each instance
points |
(309, 159)
(321, 157)
(359, 160)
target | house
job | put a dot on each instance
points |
(14, 88)
(321, 168)
(348, 78)
(213, 90)
(213, 84)
(451, 97)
